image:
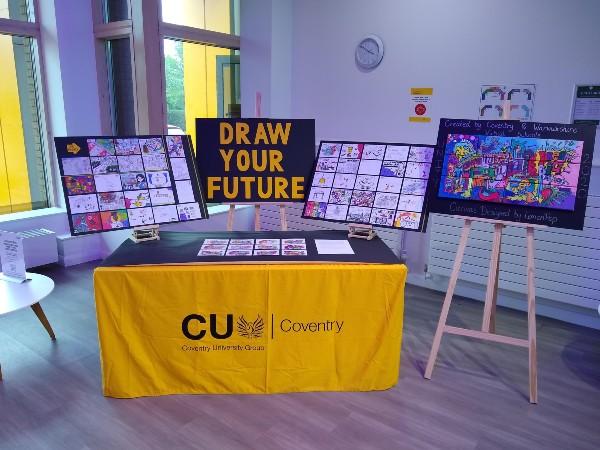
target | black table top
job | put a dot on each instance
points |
(183, 248)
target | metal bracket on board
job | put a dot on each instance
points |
(361, 231)
(146, 233)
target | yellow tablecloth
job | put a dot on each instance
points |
(333, 327)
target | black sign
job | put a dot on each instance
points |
(528, 172)
(255, 160)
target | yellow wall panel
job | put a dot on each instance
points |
(14, 178)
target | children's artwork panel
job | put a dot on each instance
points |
(524, 172)
(373, 183)
(115, 183)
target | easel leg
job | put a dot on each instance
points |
(437, 340)
(230, 214)
(283, 218)
(531, 324)
(256, 217)
(39, 312)
(491, 294)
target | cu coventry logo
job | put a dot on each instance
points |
(250, 330)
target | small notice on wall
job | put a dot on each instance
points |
(507, 102)
(420, 104)
(586, 105)
(11, 255)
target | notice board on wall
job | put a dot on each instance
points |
(528, 172)
(111, 183)
(255, 160)
(371, 183)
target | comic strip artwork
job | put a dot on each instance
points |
(514, 170)
(114, 183)
(372, 183)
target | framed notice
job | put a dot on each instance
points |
(111, 183)
(586, 105)
(535, 173)
(255, 160)
(371, 183)
(514, 101)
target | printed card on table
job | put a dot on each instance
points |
(216, 242)
(241, 242)
(294, 253)
(266, 252)
(212, 251)
(236, 252)
(267, 243)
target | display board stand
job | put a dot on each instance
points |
(361, 231)
(146, 233)
(488, 326)
(231, 212)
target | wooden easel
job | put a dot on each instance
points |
(488, 326)
(282, 215)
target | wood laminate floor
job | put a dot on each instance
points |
(478, 398)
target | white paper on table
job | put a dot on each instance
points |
(11, 255)
(333, 247)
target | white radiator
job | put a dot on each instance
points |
(39, 247)
(567, 262)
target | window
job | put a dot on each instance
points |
(23, 172)
(213, 15)
(116, 10)
(201, 81)
(120, 82)
(16, 10)
(192, 57)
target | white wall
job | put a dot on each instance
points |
(453, 46)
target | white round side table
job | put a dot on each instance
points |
(15, 296)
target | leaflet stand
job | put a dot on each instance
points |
(488, 326)
(361, 231)
(145, 233)
(231, 212)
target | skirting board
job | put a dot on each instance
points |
(548, 308)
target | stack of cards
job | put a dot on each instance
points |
(267, 247)
(293, 247)
(240, 247)
(213, 247)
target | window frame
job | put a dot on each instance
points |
(146, 32)
(31, 29)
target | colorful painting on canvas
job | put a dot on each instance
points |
(516, 170)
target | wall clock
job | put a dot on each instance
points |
(369, 52)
